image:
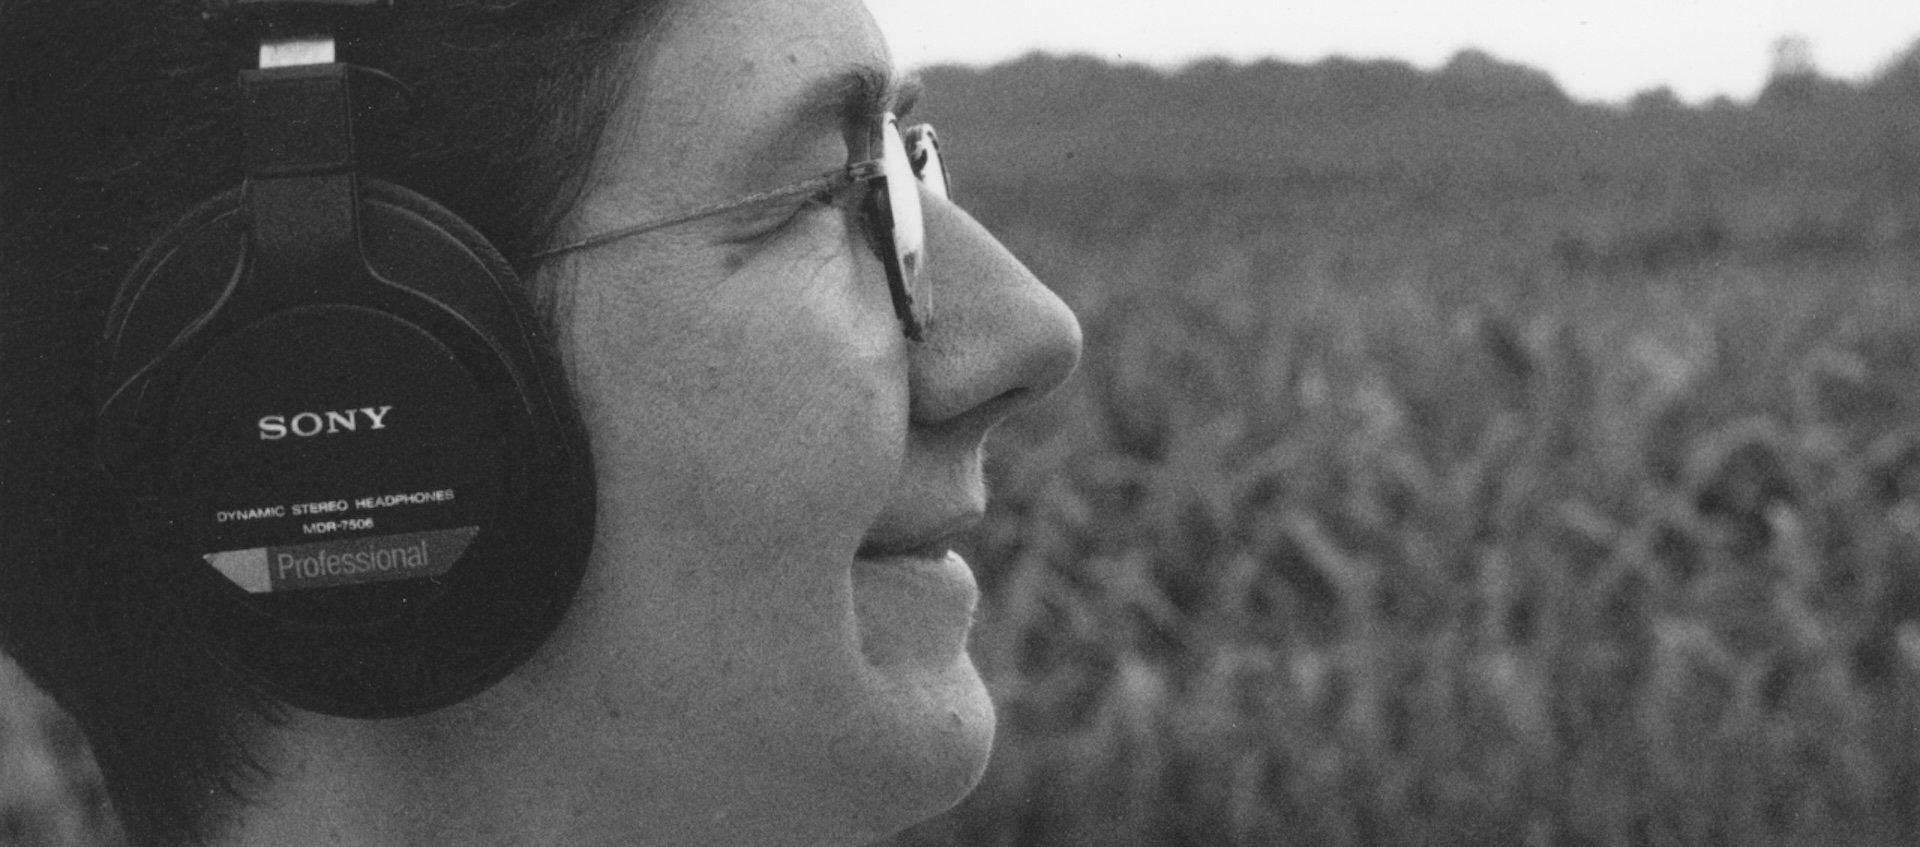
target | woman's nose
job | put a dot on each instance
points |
(998, 338)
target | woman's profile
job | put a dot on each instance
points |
(773, 347)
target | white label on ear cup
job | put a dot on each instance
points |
(348, 561)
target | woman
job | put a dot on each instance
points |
(768, 642)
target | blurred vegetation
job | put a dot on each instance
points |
(1451, 463)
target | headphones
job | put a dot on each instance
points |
(337, 418)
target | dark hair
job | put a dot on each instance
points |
(116, 117)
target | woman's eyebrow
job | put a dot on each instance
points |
(853, 97)
(844, 102)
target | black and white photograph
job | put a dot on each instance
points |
(1008, 423)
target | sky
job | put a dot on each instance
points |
(1596, 49)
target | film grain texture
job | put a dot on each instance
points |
(1450, 463)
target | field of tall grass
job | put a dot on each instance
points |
(1436, 507)
(1465, 514)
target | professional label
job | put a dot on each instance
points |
(348, 561)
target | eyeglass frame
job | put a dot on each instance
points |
(902, 265)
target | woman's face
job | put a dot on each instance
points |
(772, 634)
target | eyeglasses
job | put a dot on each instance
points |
(896, 227)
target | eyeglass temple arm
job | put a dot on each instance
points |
(856, 172)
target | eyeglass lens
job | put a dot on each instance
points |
(917, 153)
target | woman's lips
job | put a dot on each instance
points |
(914, 609)
(926, 538)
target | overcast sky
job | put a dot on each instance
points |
(1596, 49)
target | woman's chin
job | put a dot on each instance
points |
(928, 760)
(913, 615)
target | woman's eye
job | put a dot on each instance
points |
(776, 219)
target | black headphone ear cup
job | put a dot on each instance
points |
(387, 236)
(377, 500)
(391, 219)
(211, 236)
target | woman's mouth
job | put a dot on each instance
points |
(923, 538)
(914, 598)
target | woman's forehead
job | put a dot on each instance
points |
(725, 90)
(761, 53)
